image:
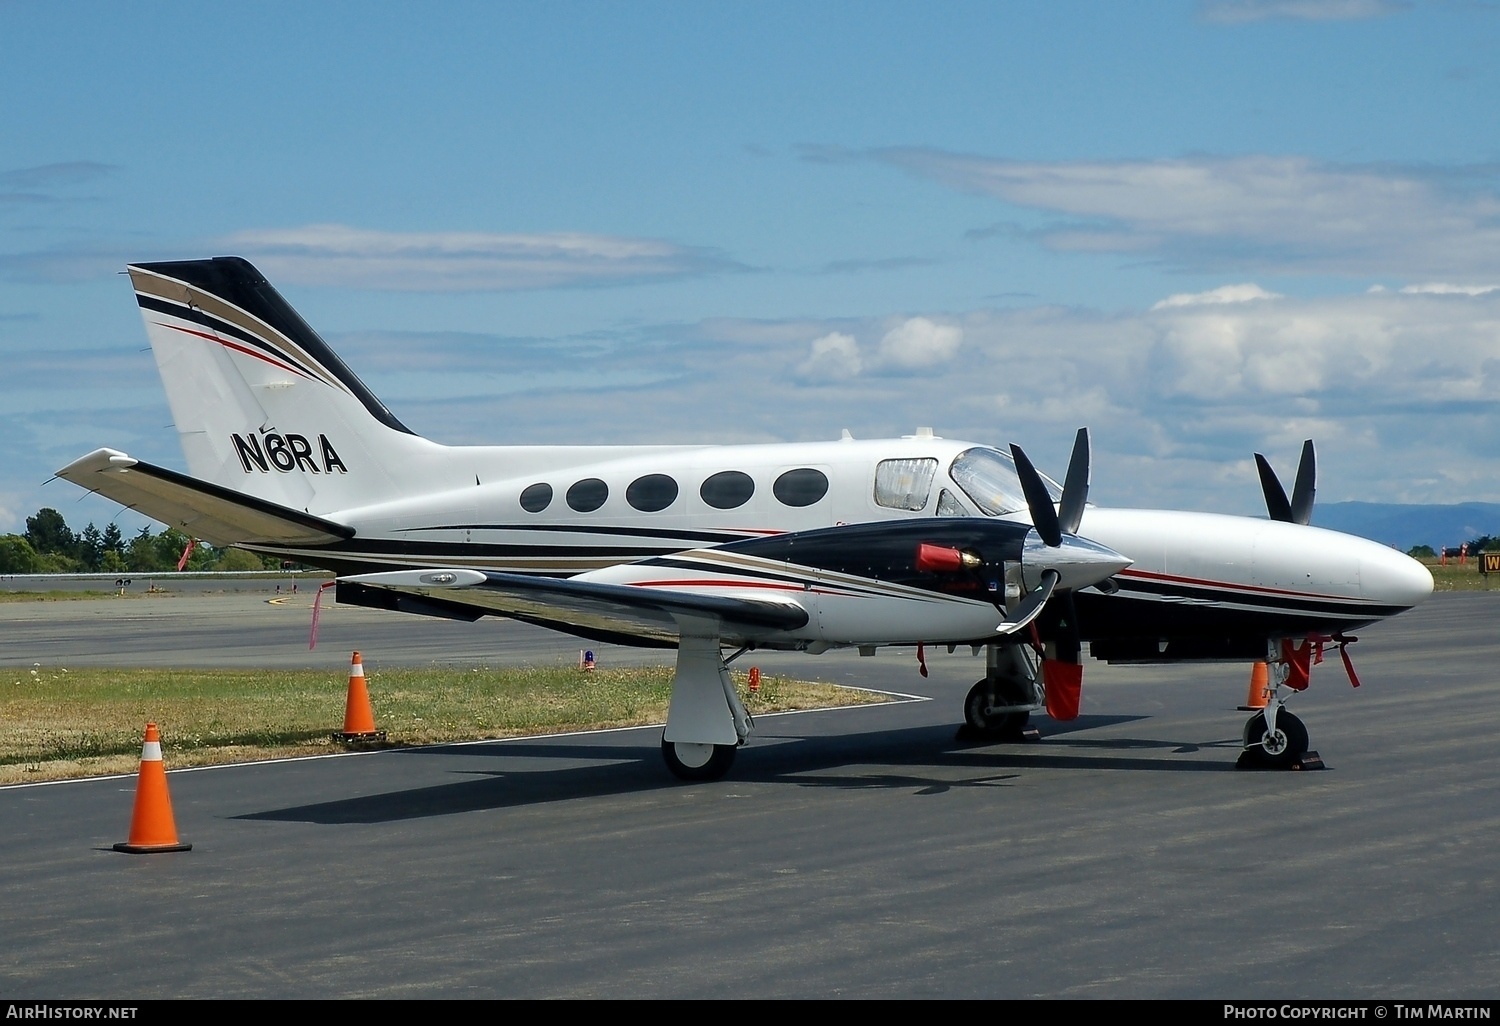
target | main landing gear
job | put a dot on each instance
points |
(706, 722)
(999, 707)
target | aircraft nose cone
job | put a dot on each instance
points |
(1079, 562)
(1392, 578)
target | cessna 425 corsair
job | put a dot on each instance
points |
(807, 546)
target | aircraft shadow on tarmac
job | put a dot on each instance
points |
(893, 759)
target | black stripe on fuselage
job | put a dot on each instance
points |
(452, 553)
(711, 537)
(1125, 616)
(1170, 590)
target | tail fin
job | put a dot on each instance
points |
(262, 405)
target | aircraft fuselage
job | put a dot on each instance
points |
(1201, 585)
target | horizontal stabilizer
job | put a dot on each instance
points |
(217, 515)
(589, 609)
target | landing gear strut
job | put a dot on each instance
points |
(1274, 738)
(999, 707)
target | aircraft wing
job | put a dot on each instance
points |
(605, 612)
(217, 515)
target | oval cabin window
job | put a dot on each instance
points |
(800, 487)
(536, 498)
(651, 493)
(727, 489)
(588, 495)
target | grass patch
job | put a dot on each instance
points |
(57, 596)
(57, 723)
(1459, 578)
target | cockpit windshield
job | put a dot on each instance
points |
(988, 476)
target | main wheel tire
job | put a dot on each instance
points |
(1001, 726)
(695, 762)
(1279, 750)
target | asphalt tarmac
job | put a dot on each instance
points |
(859, 853)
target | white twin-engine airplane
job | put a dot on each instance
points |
(805, 546)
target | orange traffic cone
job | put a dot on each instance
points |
(151, 826)
(1260, 688)
(359, 718)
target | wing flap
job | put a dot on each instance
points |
(217, 515)
(589, 608)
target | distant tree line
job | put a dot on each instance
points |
(49, 546)
(1484, 543)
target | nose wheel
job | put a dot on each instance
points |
(998, 726)
(1281, 747)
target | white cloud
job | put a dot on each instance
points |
(915, 344)
(332, 254)
(1397, 389)
(919, 343)
(1395, 349)
(342, 256)
(1239, 11)
(1283, 213)
(1442, 289)
(835, 356)
(1223, 294)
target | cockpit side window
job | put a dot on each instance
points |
(904, 484)
(988, 476)
(948, 506)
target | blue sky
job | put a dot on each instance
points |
(1201, 228)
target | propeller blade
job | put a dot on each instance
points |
(1031, 606)
(1276, 500)
(1306, 486)
(1076, 487)
(1038, 501)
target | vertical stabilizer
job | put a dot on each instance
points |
(262, 405)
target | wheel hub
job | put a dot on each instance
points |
(693, 756)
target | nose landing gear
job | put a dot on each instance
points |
(1274, 738)
(1280, 747)
(999, 707)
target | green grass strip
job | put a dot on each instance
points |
(57, 723)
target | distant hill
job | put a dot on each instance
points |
(1407, 526)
